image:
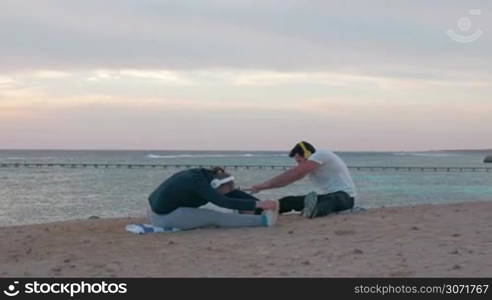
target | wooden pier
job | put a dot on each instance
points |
(236, 167)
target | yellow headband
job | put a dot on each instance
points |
(307, 153)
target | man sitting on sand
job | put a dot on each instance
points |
(176, 202)
(329, 174)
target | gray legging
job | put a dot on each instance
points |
(190, 217)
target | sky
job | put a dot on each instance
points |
(246, 75)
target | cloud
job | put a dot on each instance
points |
(6, 82)
(376, 39)
(49, 74)
(162, 76)
(380, 70)
(112, 124)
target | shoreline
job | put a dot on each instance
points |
(143, 219)
(443, 240)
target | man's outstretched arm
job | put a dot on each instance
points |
(286, 178)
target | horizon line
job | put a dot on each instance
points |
(230, 150)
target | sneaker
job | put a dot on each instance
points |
(310, 202)
(269, 218)
(357, 209)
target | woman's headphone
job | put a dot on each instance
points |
(216, 183)
(307, 153)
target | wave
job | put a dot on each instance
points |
(27, 157)
(218, 155)
(426, 154)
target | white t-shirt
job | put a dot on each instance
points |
(332, 175)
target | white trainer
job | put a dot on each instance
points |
(269, 218)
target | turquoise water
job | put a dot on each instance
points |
(36, 195)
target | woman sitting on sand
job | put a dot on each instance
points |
(175, 203)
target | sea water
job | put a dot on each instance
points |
(37, 195)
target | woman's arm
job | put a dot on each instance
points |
(208, 193)
(217, 198)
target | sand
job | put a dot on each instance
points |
(453, 240)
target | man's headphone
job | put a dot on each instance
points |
(307, 153)
(216, 183)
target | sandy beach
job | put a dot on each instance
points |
(452, 240)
